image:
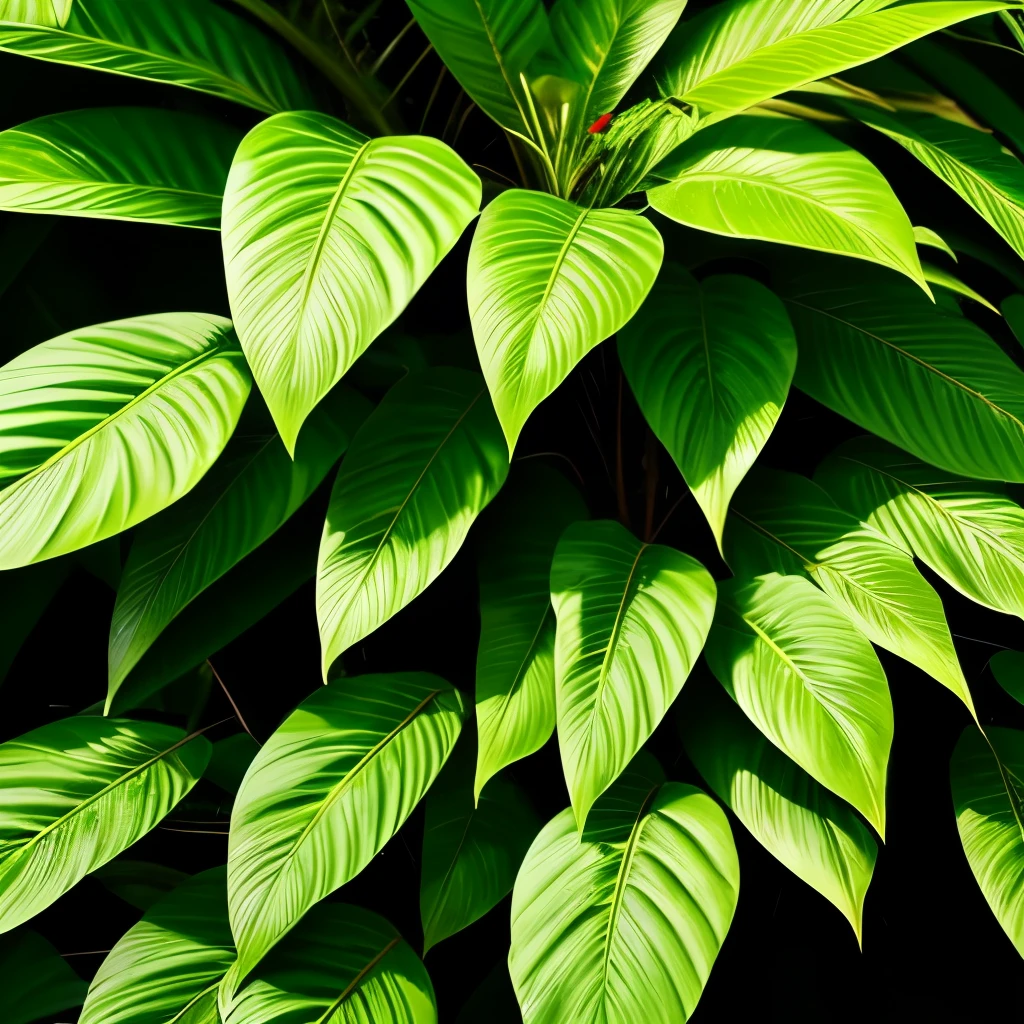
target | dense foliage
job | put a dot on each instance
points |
(582, 310)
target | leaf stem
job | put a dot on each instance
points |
(234, 706)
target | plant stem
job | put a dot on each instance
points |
(231, 701)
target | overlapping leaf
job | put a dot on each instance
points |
(140, 883)
(1008, 669)
(37, 982)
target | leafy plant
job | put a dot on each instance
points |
(568, 317)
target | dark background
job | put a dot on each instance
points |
(932, 949)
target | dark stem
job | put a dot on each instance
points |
(231, 701)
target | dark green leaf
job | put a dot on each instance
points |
(139, 882)
(36, 982)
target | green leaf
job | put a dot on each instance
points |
(139, 882)
(168, 966)
(341, 964)
(121, 163)
(970, 533)
(798, 821)
(710, 365)
(37, 983)
(625, 924)
(783, 180)
(76, 793)
(191, 43)
(869, 577)
(515, 665)
(327, 236)
(1013, 309)
(745, 51)
(805, 676)
(925, 236)
(632, 619)
(423, 466)
(251, 492)
(331, 786)
(36, 12)
(230, 760)
(988, 798)
(24, 595)
(944, 279)
(876, 351)
(1008, 669)
(549, 280)
(105, 426)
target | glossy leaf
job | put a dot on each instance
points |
(422, 467)
(632, 619)
(138, 882)
(625, 924)
(168, 966)
(325, 793)
(515, 665)
(191, 43)
(36, 12)
(925, 236)
(24, 596)
(970, 533)
(549, 280)
(75, 793)
(37, 982)
(710, 366)
(1008, 669)
(105, 426)
(783, 180)
(944, 279)
(327, 236)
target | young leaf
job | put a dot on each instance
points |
(76, 793)
(783, 180)
(37, 983)
(1008, 669)
(330, 787)
(422, 467)
(624, 925)
(988, 798)
(327, 236)
(549, 280)
(632, 619)
(168, 966)
(139, 882)
(121, 163)
(191, 43)
(105, 426)
(515, 666)
(710, 365)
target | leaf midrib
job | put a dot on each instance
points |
(326, 1016)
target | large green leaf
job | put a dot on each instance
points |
(809, 680)
(248, 495)
(710, 365)
(472, 848)
(625, 924)
(37, 983)
(36, 12)
(549, 280)
(75, 793)
(632, 619)
(515, 664)
(327, 236)
(797, 820)
(970, 533)
(124, 163)
(192, 43)
(105, 426)
(786, 523)
(326, 792)
(741, 52)
(782, 180)
(988, 797)
(168, 966)
(875, 350)
(341, 965)
(24, 596)
(425, 463)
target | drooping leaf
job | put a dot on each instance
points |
(230, 761)
(75, 793)
(1008, 669)
(515, 665)
(37, 983)
(139, 882)
(191, 43)
(970, 533)
(327, 236)
(168, 966)
(105, 426)
(876, 351)
(343, 965)
(36, 12)
(24, 596)
(121, 163)
(944, 279)
(925, 236)
(325, 793)
(988, 798)
(632, 619)
(625, 924)
(425, 463)
(710, 365)
(783, 180)
(549, 280)
(783, 522)
(797, 820)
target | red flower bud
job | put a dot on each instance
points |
(600, 124)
